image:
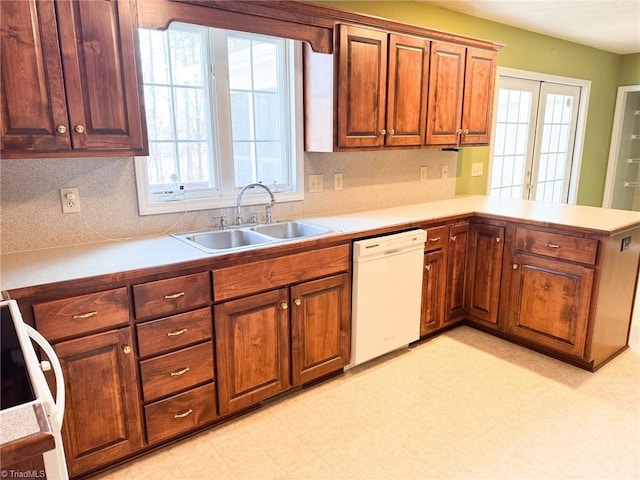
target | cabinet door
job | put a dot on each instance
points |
(102, 414)
(33, 96)
(252, 349)
(320, 327)
(456, 268)
(446, 81)
(98, 42)
(550, 302)
(407, 90)
(484, 271)
(480, 74)
(362, 82)
(433, 287)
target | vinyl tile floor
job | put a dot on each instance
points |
(464, 405)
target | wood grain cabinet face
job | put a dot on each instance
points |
(456, 271)
(252, 343)
(362, 82)
(382, 88)
(320, 327)
(74, 83)
(484, 274)
(102, 416)
(461, 84)
(550, 302)
(434, 280)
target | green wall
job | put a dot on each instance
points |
(539, 53)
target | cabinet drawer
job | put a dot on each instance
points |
(436, 238)
(180, 413)
(166, 334)
(170, 373)
(556, 245)
(255, 277)
(73, 316)
(172, 295)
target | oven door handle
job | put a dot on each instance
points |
(57, 370)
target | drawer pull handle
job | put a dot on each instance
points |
(552, 245)
(182, 415)
(434, 239)
(177, 332)
(86, 315)
(180, 372)
(174, 295)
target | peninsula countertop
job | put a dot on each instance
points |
(59, 264)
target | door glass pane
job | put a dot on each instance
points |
(555, 148)
(511, 142)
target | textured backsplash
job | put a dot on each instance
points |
(31, 216)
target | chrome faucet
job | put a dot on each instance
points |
(267, 208)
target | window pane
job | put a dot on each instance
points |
(267, 115)
(269, 156)
(194, 162)
(241, 116)
(191, 115)
(186, 58)
(161, 165)
(265, 66)
(159, 113)
(154, 56)
(239, 63)
(243, 163)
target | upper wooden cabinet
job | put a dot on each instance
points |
(382, 88)
(461, 82)
(70, 79)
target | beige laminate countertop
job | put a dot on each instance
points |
(39, 267)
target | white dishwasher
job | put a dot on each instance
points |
(386, 294)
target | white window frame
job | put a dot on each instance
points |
(226, 197)
(581, 124)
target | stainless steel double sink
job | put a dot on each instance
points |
(216, 241)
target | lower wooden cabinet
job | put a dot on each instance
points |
(456, 269)
(102, 415)
(433, 292)
(549, 302)
(320, 327)
(252, 342)
(484, 272)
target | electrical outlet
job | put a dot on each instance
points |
(337, 181)
(70, 199)
(444, 172)
(423, 174)
(477, 169)
(316, 183)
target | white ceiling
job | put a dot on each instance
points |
(611, 25)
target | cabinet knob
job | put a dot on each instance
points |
(127, 349)
(392, 132)
(454, 238)
(61, 129)
(466, 131)
(459, 131)
(498, 239)
(515, 266)
(298, 302)
(383, 132)
(427, 267)
(79, 129)
(284, 305)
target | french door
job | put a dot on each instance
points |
(533, 145)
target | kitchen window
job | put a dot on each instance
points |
(222, 109)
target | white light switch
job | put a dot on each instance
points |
(477, 169)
